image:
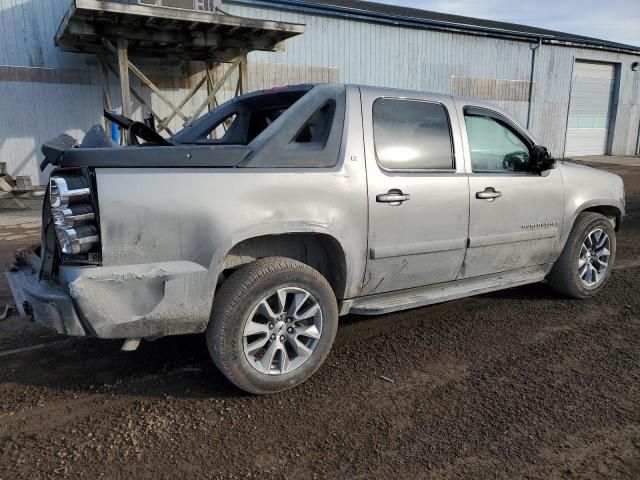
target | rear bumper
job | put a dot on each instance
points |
(130, 301)
(47, 303)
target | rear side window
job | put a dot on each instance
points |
(412, 135)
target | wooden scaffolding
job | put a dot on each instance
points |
(117, 32)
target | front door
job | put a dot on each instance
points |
(418, 191)
(515, 215)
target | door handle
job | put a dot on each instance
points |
(488, 194)
(393, 196)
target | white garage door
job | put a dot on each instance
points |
(590, 108)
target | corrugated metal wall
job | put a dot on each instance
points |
(429, 60)
(332, 49)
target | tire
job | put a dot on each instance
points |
(248, 300)
(566, 275)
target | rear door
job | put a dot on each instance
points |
(417, 190)
(515, 215)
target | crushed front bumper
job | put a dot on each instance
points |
(46, 303)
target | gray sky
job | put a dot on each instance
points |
(615, 20)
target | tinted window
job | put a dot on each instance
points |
(410, 134)
(494, 146)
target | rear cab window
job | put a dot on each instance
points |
(412, 135)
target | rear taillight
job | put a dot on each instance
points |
(73, 214)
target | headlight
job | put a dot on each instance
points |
(77, 240)
(60, 195)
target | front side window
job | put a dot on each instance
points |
(412, 135)
(494, 146)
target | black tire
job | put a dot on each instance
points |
(564, 277)
(233, 304)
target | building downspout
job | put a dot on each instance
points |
(534, 49)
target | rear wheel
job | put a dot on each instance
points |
(272, 324)
(587, 259)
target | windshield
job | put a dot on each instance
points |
(242, 119)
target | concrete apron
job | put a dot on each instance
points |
(630, 161)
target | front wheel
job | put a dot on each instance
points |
(272, 324)
(587, 259)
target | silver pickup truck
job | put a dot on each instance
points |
(266, 219)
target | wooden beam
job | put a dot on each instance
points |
(106, 98)
(214, 90)
(180, 15)
(143, 78)
(104, 77)
(184, 101)
(123, 68)
(244, 76)
(138, 97)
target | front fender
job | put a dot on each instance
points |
(590, 189)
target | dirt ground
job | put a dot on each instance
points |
(516, 384)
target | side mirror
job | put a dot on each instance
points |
(541, 159)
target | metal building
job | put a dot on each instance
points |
(578, 95)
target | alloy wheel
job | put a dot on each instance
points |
(282, 331)
(593, 261)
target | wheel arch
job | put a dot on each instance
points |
(610, 211)
(321, 251)
(609, 208)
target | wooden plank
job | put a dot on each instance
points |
(44, 75)
(143, 78)
(189, 35)
(214, 90)
(123, 68)
(106, 99)
(184, 101)
(186, 15)
(243, 76)
(139, 97)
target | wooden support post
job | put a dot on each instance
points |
(138, 97)
(212, 103)
(123, 68)
(143, 78)
(106, 97)
(244, 76)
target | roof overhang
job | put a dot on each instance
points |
(169, 33)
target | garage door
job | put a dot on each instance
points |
(590, 108)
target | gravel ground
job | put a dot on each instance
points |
(516, 384)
